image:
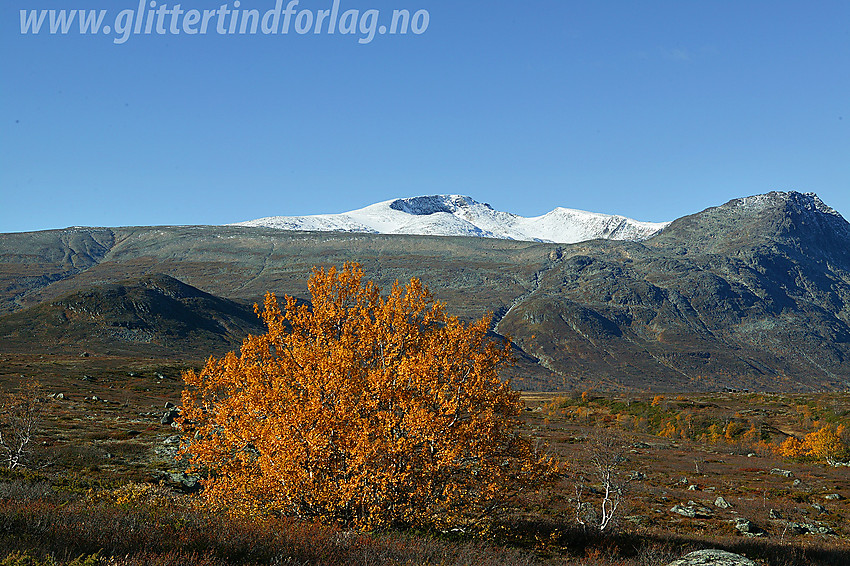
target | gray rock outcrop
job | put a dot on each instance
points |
(712, 557)
(692, 511)
(748, 528)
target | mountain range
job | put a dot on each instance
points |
(455, 215)
(754, 293)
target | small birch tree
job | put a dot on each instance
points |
(20, 414)
(360, 409)
(602, 482)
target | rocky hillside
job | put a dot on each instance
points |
(751, 294)
(156, 316)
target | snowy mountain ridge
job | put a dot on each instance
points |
(456, 215)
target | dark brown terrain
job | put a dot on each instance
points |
(103, 481)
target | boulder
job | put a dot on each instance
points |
(692, 511)
(748, 528)
(184, 482)
(722, 503)
(781, 472)
(808, 528)
(712, 557)
(169, 416)
(169, 448)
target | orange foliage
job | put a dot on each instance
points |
(752, 435)
(365, 410)
(733, 430)
(791, 447)
(669, 430)
(714, 433)
(824, 444)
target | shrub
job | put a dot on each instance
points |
(824, 445)
(361, 409)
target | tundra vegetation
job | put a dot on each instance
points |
(372, 429)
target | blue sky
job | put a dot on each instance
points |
(651, 109)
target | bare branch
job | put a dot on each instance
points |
(605, 457)
(20, 415)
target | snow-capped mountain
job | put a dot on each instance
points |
(454, 215)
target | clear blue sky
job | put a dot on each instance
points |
(651, 109)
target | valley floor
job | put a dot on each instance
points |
(104, 485)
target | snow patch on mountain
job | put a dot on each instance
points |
(456, 215)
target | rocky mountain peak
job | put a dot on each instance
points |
(797, 220)
(425, 205)
(789, 199)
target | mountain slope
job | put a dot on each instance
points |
(32, 260)
(792, 219)
(155, 315)
(454, 215)
(754, 293)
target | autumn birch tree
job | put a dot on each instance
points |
(362, 409)
(20, 416)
